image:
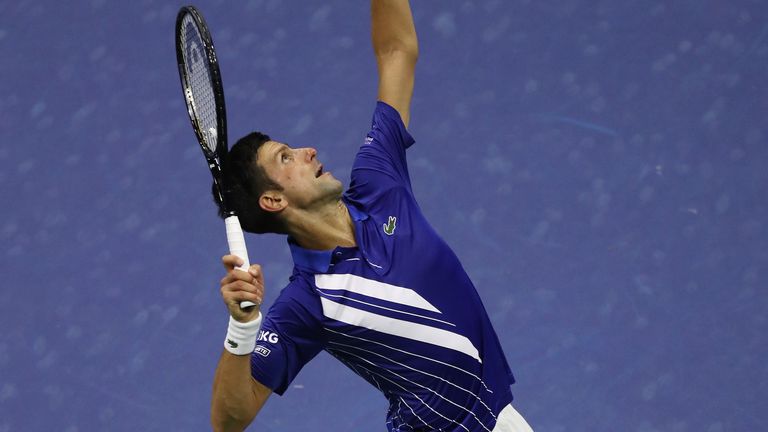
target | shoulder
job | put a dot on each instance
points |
(390, 125)
(300, 287)
(385, 110)
(298, 292)
(297, 306)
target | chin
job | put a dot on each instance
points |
(332, 182)
(338, 189)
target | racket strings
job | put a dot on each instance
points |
(200, 87)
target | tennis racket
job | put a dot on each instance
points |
(204, 95)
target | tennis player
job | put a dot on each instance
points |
(373, 284)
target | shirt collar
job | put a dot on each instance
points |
(318, 261)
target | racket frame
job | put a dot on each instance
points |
(214, 158)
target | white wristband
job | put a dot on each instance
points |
(241, 337)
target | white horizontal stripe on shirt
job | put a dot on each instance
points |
(375, 289)
(396, 327)
(413, 354)
(385, 308)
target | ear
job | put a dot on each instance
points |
(272, 201)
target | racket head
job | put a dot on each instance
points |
(203, 89)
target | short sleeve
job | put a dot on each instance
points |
(380, 163)
(290, 336)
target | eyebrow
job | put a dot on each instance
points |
(281, 147)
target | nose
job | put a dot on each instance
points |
(311, 153)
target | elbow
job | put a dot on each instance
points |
(225, 420)
(403, 46)
(411, 52)
(403, 52)
(221, 425)
(227, 424)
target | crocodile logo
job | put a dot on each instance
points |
(389, 227)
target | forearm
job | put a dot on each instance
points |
(397, 49)
(234, 403)
(392, 28)
(237, 397)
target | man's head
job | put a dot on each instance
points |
(267, 180)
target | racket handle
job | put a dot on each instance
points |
(236, 242)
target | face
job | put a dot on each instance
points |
(305, 183)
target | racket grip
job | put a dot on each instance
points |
(236, 242)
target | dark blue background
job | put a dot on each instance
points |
(599, 167)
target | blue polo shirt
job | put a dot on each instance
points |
(398, 309)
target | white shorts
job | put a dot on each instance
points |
(511, 421)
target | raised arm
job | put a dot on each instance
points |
(397, 49)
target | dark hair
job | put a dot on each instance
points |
(244, 182)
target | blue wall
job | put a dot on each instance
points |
(599, 166)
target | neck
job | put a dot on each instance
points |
(322, 228)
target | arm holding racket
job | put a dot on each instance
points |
(237, 397)
(397, 48)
